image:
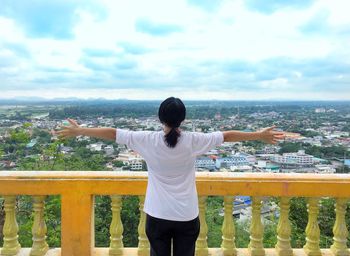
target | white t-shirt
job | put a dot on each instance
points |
(171, 190)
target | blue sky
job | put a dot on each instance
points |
(193, 49)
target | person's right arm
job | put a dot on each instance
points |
(75, 130)
(267, 135)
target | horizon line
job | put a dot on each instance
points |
(38, 99)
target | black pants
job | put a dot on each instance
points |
(184, 235)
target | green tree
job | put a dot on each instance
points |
(288, 147)
(118, 163)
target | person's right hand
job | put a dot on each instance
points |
(69, 131)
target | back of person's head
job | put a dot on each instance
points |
(172, 112)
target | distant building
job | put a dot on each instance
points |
(217, 116)
(232, 161)
(338, 134)
(205, 162)
(347, 162)
(135, 165)
(294, 159)
(332, 110)
(6, 164)
(109, 150)
(269, 149)
(320, 110)
(95, 146)
(131, 159)
(293, 136)
(31, 144)
(325, 168)
(66, 150)
(264, 166)
(241, 168)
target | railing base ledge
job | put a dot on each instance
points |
(212, 252)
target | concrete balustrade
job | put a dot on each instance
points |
(77, 191)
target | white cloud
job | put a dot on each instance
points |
(229, 32)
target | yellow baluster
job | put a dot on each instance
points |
(39, 229)
(256, 229)
(283, 246)
(116, 228)
(11, 245)
(201, 243)
(143, 247)
(228, 229)
(312, 246)
(340, 231)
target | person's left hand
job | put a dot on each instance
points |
(270, 136)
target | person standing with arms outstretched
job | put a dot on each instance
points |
(171, 202)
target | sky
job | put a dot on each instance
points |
(192, 49)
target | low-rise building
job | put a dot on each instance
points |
(109, 150)
(131, 159)
(294, 159)
(205, 162)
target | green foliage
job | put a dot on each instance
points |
(343, 169)
(214, 220)
(288, 147)
(103, 218)
(270, 232)
(42, 136)
(2, 220)
(19, 136)
(242, 234)
(298, 216)
(27, 125)
(327, 152)
(25, 218)
(53, 220)
(118, 163)
(256, 144)
(308, 133)
(2, 152)
(130, 216)
(326, 221)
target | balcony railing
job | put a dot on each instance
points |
(77, 191)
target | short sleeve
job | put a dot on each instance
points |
(135, 140)
(203, 142)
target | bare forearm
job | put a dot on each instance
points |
(101, 133)
(234, 136)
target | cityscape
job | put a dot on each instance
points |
(308, 147)
(317, 137)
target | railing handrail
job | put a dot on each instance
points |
(339, 177)
(208, 183)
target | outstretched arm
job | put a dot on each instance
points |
(75, 130)
(267, 135)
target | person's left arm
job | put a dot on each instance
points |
(267, 135)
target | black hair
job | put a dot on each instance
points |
(172, 112)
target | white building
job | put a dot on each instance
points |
(109, 150)
(299, 158)
(95, 146)
(205, 162)
(325, 168)
(320, 110)
(132, 159)
(232, 161)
